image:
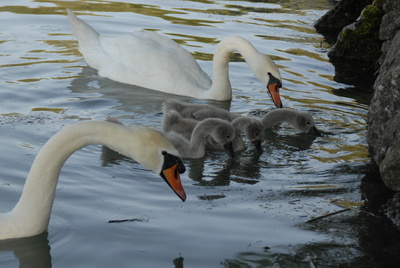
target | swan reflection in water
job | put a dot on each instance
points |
(34, 251)
(130, 99)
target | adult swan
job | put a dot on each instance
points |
(153, 61)
(31, 214)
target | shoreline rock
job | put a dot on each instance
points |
(357, 46)
(383, 136)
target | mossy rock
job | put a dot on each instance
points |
(360, 40)
(344, 13)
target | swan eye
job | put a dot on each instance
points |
(308, 122)
(274, 80)
(171, 160)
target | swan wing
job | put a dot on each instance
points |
(153, 61)
(143, 58)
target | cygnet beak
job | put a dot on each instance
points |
(314, 131)
(257, 144)
(229, 149)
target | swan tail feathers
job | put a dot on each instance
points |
(83, 31)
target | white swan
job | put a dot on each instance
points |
(153, 61)
(31, 214)
(220, 131)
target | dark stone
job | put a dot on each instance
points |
(368, 43)
(363, 43)
(392, 210)
(384, 114)
(389, 167)
(360, 40)
(344, 13)
(390, 25)
(359, 73)
(357, 50)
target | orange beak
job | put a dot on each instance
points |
(273, 87)
(172, 177)
(274, 92)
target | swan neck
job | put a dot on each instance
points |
(31, 214)
(221, 84)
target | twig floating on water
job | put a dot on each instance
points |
(125, 220)
(327, 215)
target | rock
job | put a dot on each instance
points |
(360, 40)
(392, 210)
(357, 50)
(390, 168)
(374, 39)
(384, 116)
(344, 13)
(390, 25)
(386, 148)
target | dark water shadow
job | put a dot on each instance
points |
(361, 74)
(31, 251)
(297, 141)
(372, 244)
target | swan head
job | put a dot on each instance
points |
(171, 169)
(153, 151)
(273, 85)
(267, 72)
(306, 124)
(158, 154)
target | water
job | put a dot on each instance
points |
(245, 212)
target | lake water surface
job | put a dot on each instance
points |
(250, 211)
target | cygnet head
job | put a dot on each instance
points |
(252, 128)
(254, 131)
(223, 134)
(306, 124)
